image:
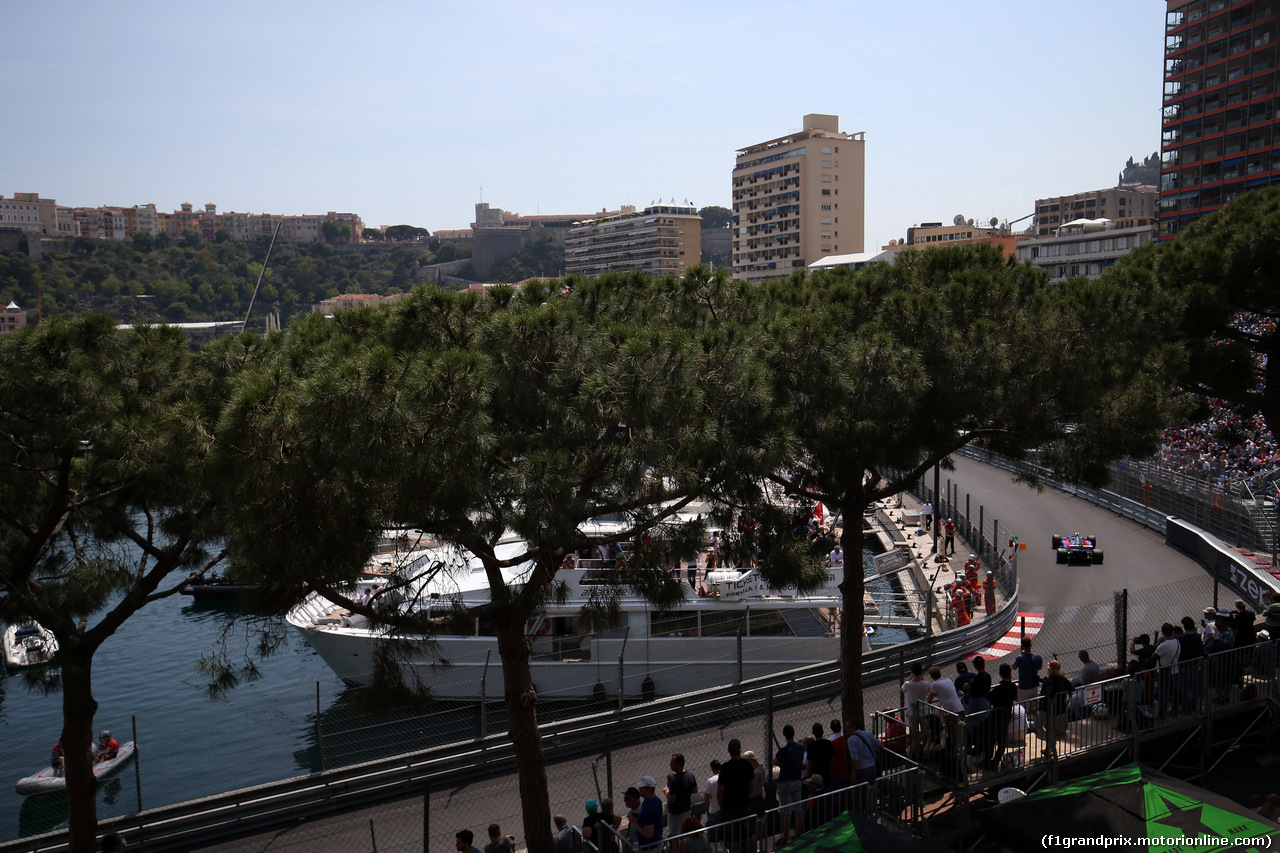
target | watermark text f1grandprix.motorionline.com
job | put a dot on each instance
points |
(1182, 842)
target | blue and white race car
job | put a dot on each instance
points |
(1077, 548)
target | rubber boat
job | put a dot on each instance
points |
(28, 644)
(731, 625)
(46, 782)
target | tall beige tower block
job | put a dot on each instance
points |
(798, 198)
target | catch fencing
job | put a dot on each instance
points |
(1243, 512)
(1232, 691)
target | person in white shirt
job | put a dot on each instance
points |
(915, 692)
(1166, 675)
(1210, 632)
(713, 802)
(943, 692)
(836, 558)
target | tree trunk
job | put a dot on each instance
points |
(78, 709)
(522, 714)
(851, 616)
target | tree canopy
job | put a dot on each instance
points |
(1219, 276)
(103, 494)
(473, 418)
(530, 412)
(715, 216)
(884, 372)
(143, 281)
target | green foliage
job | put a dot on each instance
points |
(212, 280)
(882, 373)
(1220, 265)
(103, 494)
(406, 233)
(335, 232)
(715, 216)
(542, 257)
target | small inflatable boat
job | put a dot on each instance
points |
(46, 782)
(28, 644)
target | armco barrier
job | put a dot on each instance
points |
(1227, 566)
(1238, 573)
(264, 806)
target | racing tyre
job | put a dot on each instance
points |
(1057, 543)
(1097, 556)
(1094, 540)
(1062, 555)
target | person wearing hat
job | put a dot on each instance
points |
(1210, 632)
(599, 822)
(1243, 620)
(1271, 619)
(1226, 632)
(645, 815)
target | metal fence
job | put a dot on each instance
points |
(1117, 713)
(1242, 512)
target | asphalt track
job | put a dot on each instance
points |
(1074, 598)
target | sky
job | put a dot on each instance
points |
(410, 113)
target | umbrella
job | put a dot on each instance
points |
(1130, 802)
(847, 833)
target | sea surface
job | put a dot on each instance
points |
(293, 719)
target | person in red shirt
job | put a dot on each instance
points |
(108, 748)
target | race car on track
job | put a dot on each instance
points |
(1077, 548)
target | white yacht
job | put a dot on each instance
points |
(732, 625)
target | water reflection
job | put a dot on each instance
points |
(42, 813)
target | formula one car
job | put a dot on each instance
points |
(1077, 548)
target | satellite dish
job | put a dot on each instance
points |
(970, 223)
(995, 220)
(958, 220)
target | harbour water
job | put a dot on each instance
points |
(188, 744)
(295, 719)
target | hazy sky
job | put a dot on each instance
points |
(401, 112)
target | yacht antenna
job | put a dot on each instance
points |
(261, 273)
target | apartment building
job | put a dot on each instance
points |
(1113, 203)
(1087, 246)
(798, 198)
(663, 239)
(12, 317)
(31, 214)
(1219, 135)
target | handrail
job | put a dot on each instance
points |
(262, 806)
